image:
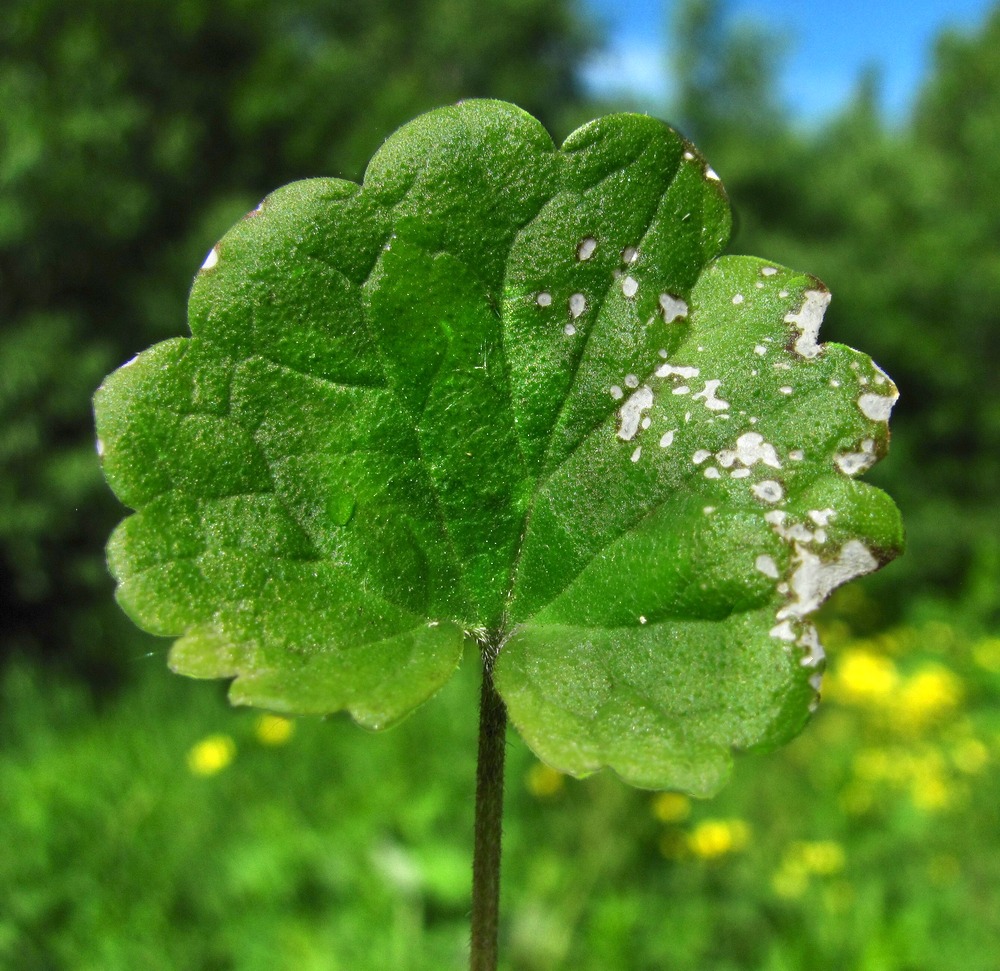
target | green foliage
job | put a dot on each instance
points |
(867, 842)
(43, 379)
(482, 395)
(725, 71)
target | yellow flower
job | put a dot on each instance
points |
(543, 781)
(928, 781)
(861, 677)
(713, 838)
(821, 857)
(671, 807)
(920, 771)
(878, 764)
(273, 729)
(805, 859)
(211, 755)
(929, 695)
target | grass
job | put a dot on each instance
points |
(162, 829)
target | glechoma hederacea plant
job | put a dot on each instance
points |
(509, 395)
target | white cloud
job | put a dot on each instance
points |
(629, 68)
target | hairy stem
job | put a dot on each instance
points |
(489, 820)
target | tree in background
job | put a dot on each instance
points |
(726, 74)
(131, 136)
(954, 285)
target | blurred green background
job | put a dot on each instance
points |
(146, 825)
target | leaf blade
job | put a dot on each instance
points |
(507, 392)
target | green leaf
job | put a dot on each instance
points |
(512, 393)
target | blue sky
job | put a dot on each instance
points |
(828, 43)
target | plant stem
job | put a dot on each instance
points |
(489, 820)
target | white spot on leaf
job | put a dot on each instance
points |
(712, 403)
(577, 304)
(673, 307)
(586, 248)
(814, 653)
(768, 490)
(751, 448)
(630, 413)
(808, 320)
(630, 286)
(211, 259)
(666, 371)
(877, 407)
(765, 564)
(796, 532)
(813, 579)
(852, 463)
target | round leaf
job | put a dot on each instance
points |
(509, 392)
